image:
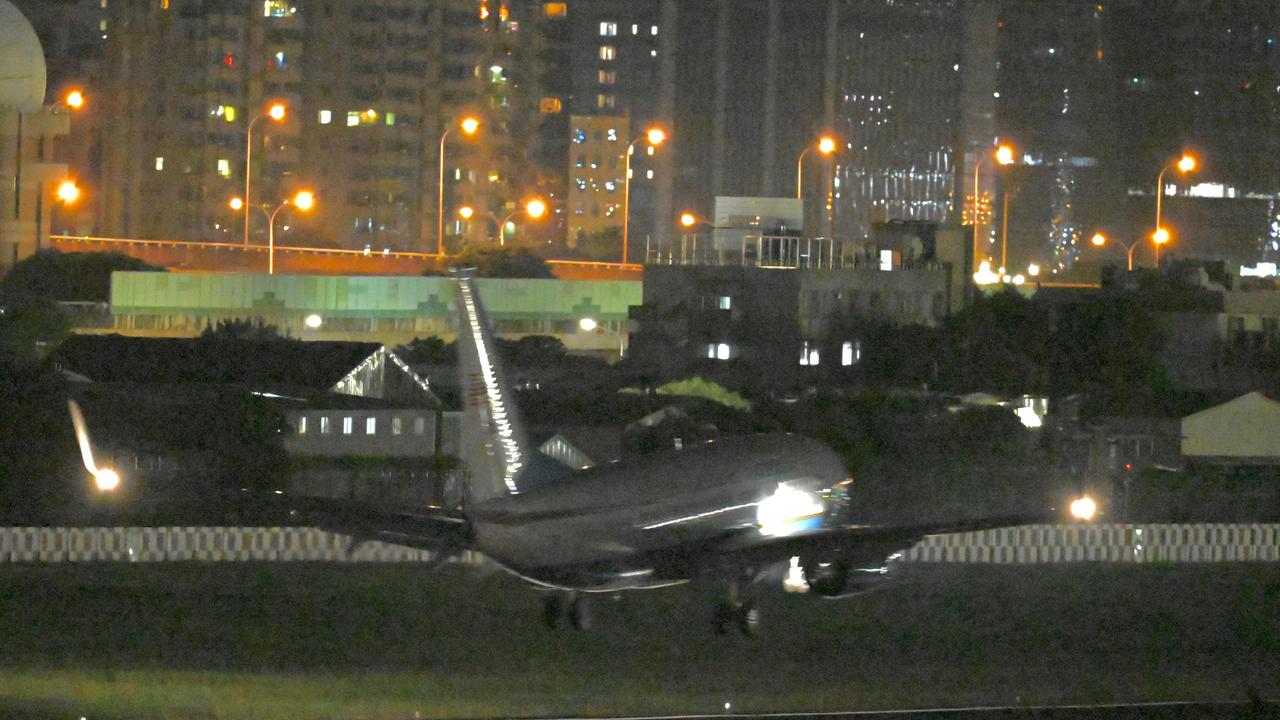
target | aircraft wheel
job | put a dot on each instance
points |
(552, 610)
(580, 613)
(747, 617)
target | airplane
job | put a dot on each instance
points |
(727, 510)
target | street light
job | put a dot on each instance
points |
(1003, 156)
(74, 99)
(655, 136)
(303, 200)
(1100, 240)
(589, 324)
(826, 145)
(276, 113)
(469, 126)
(534, 208)
(67, 192)
(1185, 164)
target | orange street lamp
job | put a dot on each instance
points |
(1185, 164)
(689, 219)
(74, 99)
(466, 212)
(1003, 156)
(67, 192)
(1101, 240)
(276, 113)
(303, 200)
(535, 209)
(469, 126)
(826, 145)
(655, 136)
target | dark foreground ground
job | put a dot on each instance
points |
(332, 641)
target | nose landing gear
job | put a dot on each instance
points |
(571, 606)
(738, 610)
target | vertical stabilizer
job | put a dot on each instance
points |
(495, 449)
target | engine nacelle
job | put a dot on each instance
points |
(836, 577)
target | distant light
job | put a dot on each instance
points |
(1084, 508)
(75, 100)
(1004, 155)
(314, 321)
(1033, 270)
(466, 212)
(588, 324)
(277, 112)
(656, 136)
(304, 200)
(826, 144)
(236, 203)
(687, 219)
(67, 192)
(1098, 239)
(1019, 279)
(106, 479)
(536, 208)
(1187, 163)
(1160, 236)
(470, 125)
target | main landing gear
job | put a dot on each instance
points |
(571, 606)
(738, 610)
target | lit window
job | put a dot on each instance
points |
(353, 118)
(850, 352)
(725, 302)
(550, 105)
(347, 425)
(277, 61)
(653, 53)
(809, 354)
(635, 29)
(276, 8)
(326, 117)
(397, 426)
(102, 25)
(302, 425)
(419, 426)
(649, 173)
(390, 118)
(608, 52)
(653, 30)
(886, 259)
(608, 29)
(159, 163)
(226, 112)
(371, 426)
(611, 135)
(555, 9)
(605, 101)
(607, 77)
(224, 167)
(722, 351)
(324, 425)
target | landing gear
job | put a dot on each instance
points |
(574, 607)
(738, 610)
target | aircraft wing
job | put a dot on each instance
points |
(425, 529)
(855, 546)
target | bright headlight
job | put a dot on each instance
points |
(788, 510)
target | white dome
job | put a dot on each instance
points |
(22, 70)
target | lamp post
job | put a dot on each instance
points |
(1003, 156)
(826, 145)
(655, 136)
(534, 208)
(1185, 164)
(276, 112)
(589, 324)
(469, 126)
(1101, 240)
(304, 200)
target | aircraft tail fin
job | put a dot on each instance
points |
(495, 447)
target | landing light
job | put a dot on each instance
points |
(106, 479)
(1084, 508)
(787, 511)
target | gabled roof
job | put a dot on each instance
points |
(119, 359)
(1246, 429)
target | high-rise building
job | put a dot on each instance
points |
(597, 159)
(364, 124)
(916, 114)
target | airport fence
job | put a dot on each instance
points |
(1030, 544)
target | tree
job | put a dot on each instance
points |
(502, 262)
(68, 277)
(29, 327)
(428, 351)
(237, 329)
